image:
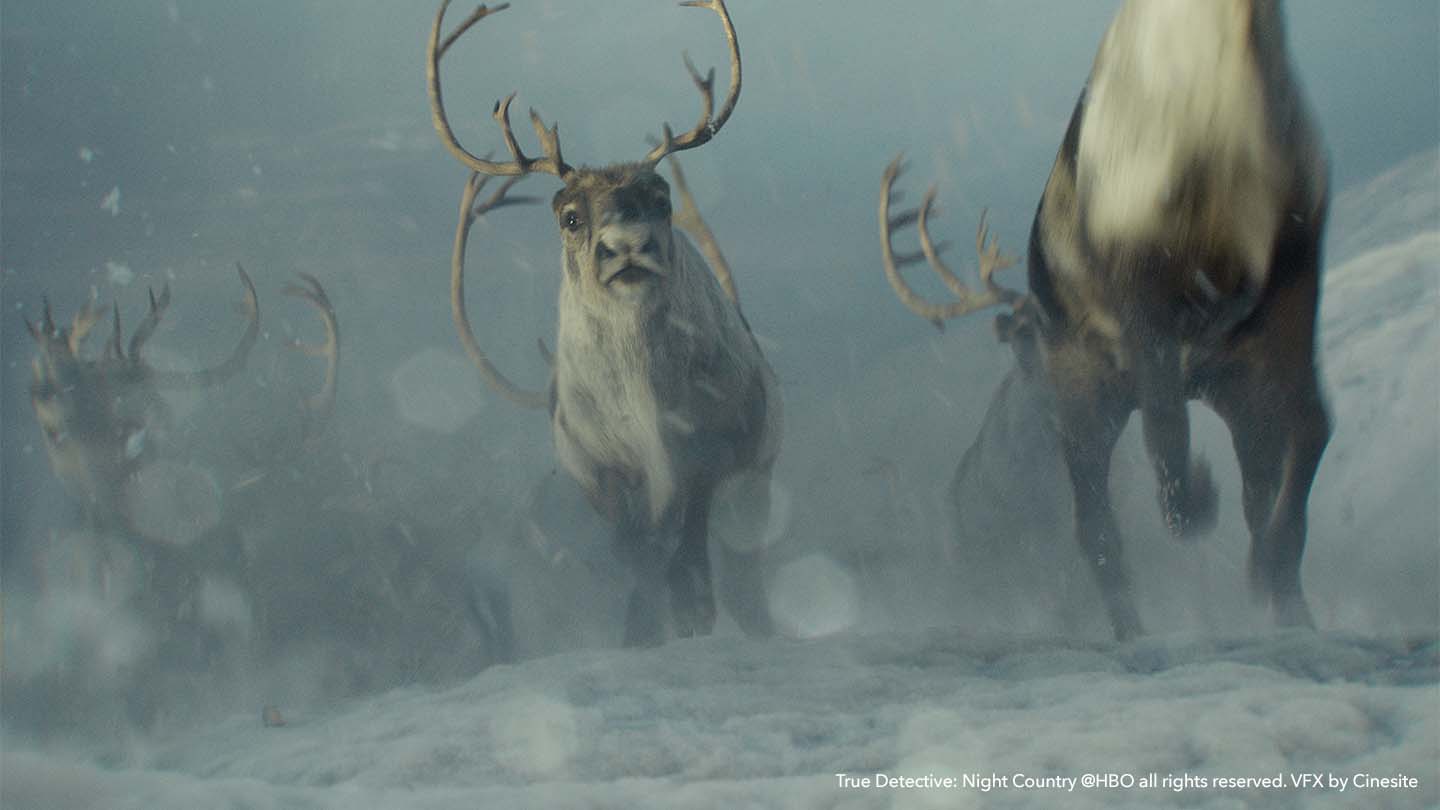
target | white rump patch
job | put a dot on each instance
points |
(1174, 89)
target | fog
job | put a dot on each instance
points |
(164, 141)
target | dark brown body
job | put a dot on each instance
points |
(1199, 282)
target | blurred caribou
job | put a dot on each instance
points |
(1174, 255)
(103, 419)
(659, 395)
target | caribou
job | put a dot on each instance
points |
(659, 396)
(103, 418)
(1174, 256)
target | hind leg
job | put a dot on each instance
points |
(1279, 447)
(1267, 391)
(1092, 413)
(1087, 457)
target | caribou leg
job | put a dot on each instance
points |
(644, 550)
(1268, 393)
(1093, 411)
(691, 598)
(1186, 492)
(739, 522)
(1279, 450)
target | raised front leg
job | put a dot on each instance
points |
(1187, 495)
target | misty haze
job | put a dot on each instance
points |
(358, 576)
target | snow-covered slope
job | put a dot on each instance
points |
(1375, 509)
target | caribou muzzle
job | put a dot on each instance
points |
(629, 253)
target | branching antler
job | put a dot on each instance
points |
(520, 164)
(705, 128)
(968, 300)
(47, 334)
(232, 365)
(321, 405)
(152, 320)
(50, 337)
(469, 211)
(553, 163)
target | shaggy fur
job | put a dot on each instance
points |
(660, 392)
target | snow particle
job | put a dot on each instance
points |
(119, 273)
(111, 202)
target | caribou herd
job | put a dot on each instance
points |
(1174, 255)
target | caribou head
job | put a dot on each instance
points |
(103, 418)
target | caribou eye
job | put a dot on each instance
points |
(572, 221)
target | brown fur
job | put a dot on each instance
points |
(1149, 314)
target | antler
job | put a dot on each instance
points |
(321, 404)
(688, 218)
(47, 332)
(553, 163)
(520, 164)
(209, 376)
(991, 260)
(152, 320)
(705, 128)
(469, 211)
(82, 323)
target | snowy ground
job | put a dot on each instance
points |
(726, 722)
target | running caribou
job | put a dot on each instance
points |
(659, 395)
(1174, 255)
(103, 419)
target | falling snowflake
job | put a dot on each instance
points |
(111, 202)
(119, 273)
